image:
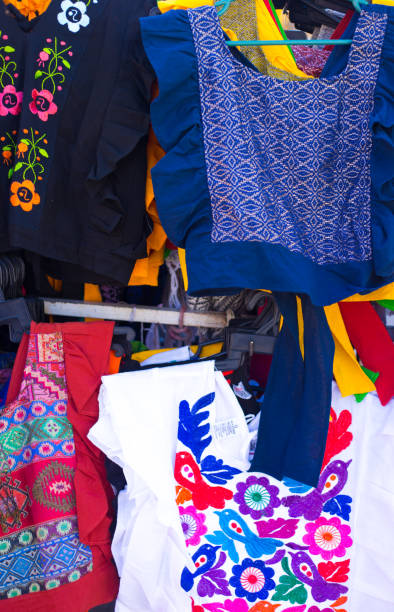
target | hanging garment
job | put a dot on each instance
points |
(266, 545)
(73, 136)
(137, 429)
(232, 241)
(276, 546)
(251, 20)
(40, 543)
(85, 349)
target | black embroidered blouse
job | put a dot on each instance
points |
(75, 88)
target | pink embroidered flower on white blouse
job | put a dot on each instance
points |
(328, 538)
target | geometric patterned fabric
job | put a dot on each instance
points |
(40, 547)
(288, 162)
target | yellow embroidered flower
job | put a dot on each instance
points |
(24, 195)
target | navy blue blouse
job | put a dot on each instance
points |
(282, 185)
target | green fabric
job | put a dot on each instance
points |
(387, 304)
(372, 376)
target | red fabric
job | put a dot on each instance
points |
(86, 353)
(340, 29)
(372, 342)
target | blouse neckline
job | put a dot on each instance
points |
(307, 82)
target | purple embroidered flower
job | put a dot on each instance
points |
(257, 497)
(193, 525)
(328, 538)
(252, 580)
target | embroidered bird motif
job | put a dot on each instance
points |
(331, 482)
(233, 525)
(306, 571)
(204, 558)
(187, 474)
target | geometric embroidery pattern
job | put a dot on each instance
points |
(40, 548)
(14, 503)
(288, 162)
(54, 487)
(42, 557)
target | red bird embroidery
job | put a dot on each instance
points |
(187, 474)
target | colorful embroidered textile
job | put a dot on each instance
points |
(247, 132)
(52, 85)
(86, 349)
(258, 544)
(40, 544)
(311, 60)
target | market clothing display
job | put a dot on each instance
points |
(148, 546)
(86, 351)
(60, 110)
(41, 547)
(232, 242)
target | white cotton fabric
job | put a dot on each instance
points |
(137, 429)
(371, 587)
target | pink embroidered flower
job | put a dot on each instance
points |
(192, 525)
(328, 538)
(19, 415)
(10, 101)
(42, 104)
(11, 462)
(42, 58)
(3, 425)
(46, 449)
(60, 408)
(38, 409)
(68, 447)
(27, 455)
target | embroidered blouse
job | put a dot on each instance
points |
(270, 183)
(75, 88)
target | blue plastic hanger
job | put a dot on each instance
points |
(223, 5)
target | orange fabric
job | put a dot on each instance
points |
(30, 8)
(86, 354)
(114, 363)
(146, 271)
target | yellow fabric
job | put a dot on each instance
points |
(300, 318)
(29, 8)
(278, 56)
(146, 271)
(182, 261)
(384, 293)
(206, 351)
(349, 376)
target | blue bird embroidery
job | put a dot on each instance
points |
(233, 526)
(204, 558)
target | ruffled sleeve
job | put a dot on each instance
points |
(179, 179)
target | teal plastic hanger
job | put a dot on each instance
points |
(223, 5)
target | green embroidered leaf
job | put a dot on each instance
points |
(43, 153)
(289, 587)
(66, 63)
(25, 141)
(9, 49)
(286, 567)
(47, 50)
(7, 148)
(18, 166)
(10, 172)
(38, 74)
(290, 590)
